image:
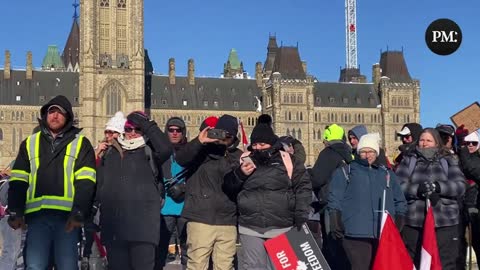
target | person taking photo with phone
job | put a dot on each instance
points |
(211, 214)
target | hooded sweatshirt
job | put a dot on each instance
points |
(51, 170)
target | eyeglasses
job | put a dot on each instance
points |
(174, 130)
(129, 129)
(109, 132)
(367, 152)
(471, 143)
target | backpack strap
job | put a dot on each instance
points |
(151, 161)
(287, 161)
(412, 163)
(444, 164)
(345, 173)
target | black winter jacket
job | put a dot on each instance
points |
(205, 200)
(129, 194)
(268, 198)
(50, 174)
(328, 160)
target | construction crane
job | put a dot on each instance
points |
(351, 33)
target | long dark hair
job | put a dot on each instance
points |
(442, 149)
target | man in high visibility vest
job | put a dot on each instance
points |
(52, 187)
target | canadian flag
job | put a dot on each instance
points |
(391, 252)
(430, 259)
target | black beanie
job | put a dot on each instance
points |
(265, 119)
(228, 123)
(263, 133)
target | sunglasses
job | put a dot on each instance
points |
(471, 143)
(405, 137)
(174, 130)
(130, 129)
(109, 132)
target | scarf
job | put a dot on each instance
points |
(428, 153)
(132, 143)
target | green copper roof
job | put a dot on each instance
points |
(52, 59)
(233, 58)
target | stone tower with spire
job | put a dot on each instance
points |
(112, 65)
(71, 52)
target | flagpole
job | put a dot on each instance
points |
(384, 199)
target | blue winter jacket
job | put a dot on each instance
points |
(360, 197)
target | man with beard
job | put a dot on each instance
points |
(52, 186)
(211, 214)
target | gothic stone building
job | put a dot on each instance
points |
(105, 68)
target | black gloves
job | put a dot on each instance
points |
(427, 188)
(336, 225)
(400, 222)
(140, 120)
(177, 192)
(300, 220)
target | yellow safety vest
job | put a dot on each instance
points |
(65, 202)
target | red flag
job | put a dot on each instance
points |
(244, 136)
(430, 259)
(391, 252)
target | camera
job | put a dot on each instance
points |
(215, 133)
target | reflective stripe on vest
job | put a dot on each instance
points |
(64, 202)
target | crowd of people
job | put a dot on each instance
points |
(142, 191)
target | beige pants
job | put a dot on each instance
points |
(204, 240)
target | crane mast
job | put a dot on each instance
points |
(351, 33)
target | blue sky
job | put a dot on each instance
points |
(207, 30)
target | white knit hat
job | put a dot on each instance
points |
(370, 140)
(473, 137)
(117, 123)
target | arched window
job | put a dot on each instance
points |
(394, 101)
(20, 135)
(289, 115)
(285, 98)
(294, 133)
(297, 117)
(1, 134)
(301, 116)
(319, 134)
(300, 98)
(286, 115)
(336, 119)
(121, 3)
(408, 118)
(288, 132)
(299, 134)
(114, 99)
(316, 117)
